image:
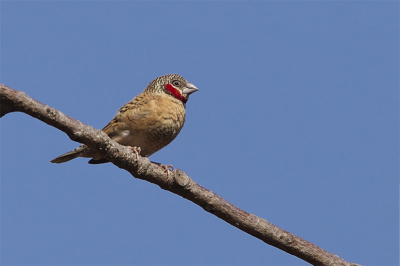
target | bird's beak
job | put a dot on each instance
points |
(190, 88)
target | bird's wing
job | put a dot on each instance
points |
(128, 118)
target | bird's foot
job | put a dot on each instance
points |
(136, 151)
(167, 168)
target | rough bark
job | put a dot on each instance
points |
(176, 181)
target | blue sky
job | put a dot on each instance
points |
(296, 120)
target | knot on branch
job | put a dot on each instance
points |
(209, 208)
(51, 112)
(144, 166)
(182, 179)
(75, 136)
(286, 238)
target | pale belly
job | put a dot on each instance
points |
(151, 139)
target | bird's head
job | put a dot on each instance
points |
(173, 85)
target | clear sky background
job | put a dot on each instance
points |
(296, 120)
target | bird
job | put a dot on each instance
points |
(147, 123)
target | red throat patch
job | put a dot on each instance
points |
(175, 92)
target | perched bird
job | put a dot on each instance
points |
(150, 121)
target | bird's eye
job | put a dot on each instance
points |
(175, 83)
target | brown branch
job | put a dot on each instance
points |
(176, 182)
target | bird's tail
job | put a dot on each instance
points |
(78, 152)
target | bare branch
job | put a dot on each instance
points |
(176, 182)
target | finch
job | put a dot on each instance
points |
(150, 121)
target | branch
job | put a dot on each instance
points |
(176, 181)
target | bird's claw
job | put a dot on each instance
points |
(167, 168)
(136, 151)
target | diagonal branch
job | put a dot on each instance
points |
(176, 182)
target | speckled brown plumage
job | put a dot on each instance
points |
(150, 121)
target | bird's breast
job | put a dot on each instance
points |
(167, 120)
(162, 123)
